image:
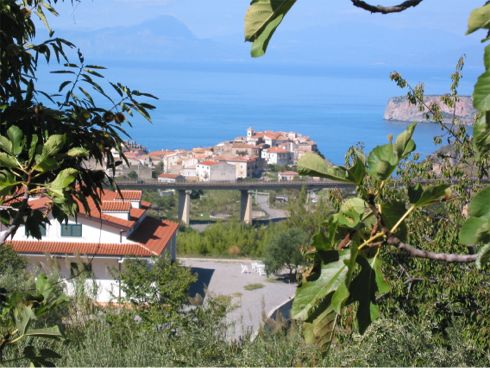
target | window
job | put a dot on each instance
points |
(42, 230)
(80, 268)
(71, 229)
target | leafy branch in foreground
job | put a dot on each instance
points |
(347, 252)
(51, 144)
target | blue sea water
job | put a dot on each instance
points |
(336, 108)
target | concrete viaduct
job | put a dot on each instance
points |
(245, 187)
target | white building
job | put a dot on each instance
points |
(277, 156)
(99, 241)
(215, 171)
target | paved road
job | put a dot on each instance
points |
(262, 201)
(224, 277)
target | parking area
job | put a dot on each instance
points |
(254, 296)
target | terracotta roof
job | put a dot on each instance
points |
(209, 163)
(111, 206)
(145, 204)
(161, 153)
(151, 237)
(288, 173)
(169, 176)
(277, 150)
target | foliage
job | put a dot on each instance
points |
(225, 238)
(46, 141)
(47, 138)
(20, 311)
(285, 250)
(348, 251)
(157, 290)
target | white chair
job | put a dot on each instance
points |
(261, 270)
(245, 269)
(254, 266)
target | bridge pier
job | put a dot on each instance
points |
(184, 207)
(246, 207)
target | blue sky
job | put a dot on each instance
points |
(324, 32)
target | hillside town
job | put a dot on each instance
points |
(243, 157)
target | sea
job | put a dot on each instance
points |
(202, 105)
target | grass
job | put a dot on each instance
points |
(254, 286)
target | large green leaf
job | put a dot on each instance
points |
(351, 212)
(53, 145)
(475, 230)
(381, 284)
(381, 162)
(5, 144)
(480, 204)
(481, 134)
(312, 164)
(481, 92)
(363, 290)
(479, 18)
(312, 293)
(391, 212)
(16, 136)
(261, 20)
(420, 196)
(7, 161)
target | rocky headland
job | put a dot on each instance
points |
(400, 109)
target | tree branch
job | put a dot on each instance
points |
(419, 253)
(386, 9)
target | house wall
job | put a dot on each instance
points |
(222, 172)
(103, 286)
(92, 232)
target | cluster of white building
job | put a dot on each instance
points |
(241, 158)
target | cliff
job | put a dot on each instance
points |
(398, 108)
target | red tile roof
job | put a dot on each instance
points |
(209, 163)
(277, 150)
(111, 206)
(169, 176)
(151, 237)
(288, 173)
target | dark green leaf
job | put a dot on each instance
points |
(311, 293)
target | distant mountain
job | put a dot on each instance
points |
(166, 39)
(163, 38)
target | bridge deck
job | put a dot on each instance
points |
(235, 185)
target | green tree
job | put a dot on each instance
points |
(285, 250)
(159, 290)
(133, 175)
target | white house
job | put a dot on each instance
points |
(100, 241)
(215, 171)
(277, 156)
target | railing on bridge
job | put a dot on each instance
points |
(233, 185)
